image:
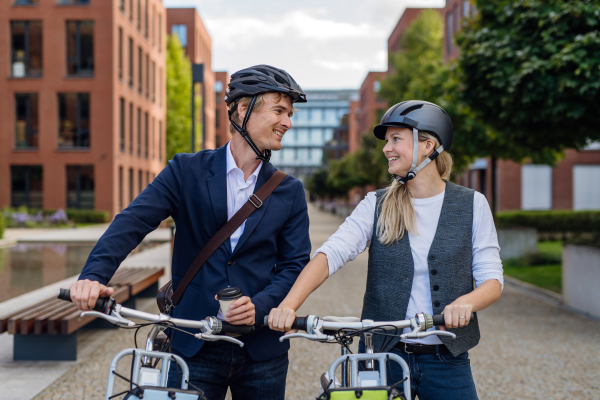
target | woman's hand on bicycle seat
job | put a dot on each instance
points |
(281, 319)
(84, 293)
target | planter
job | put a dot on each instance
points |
(517, 242)
(581, 278)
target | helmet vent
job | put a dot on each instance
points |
(410, 109)
(264, 71)
(280, 80)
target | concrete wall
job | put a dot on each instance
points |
(517, 242)
(581, 278)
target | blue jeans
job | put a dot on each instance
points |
(219, 365)
(435, 376)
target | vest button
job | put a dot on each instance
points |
(434, 272)
(230, 263)
(436, 288)
(436, 303)
(432, 256)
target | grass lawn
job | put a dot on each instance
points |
(546, 275)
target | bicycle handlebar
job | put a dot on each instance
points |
(106, 305)
(438, 320)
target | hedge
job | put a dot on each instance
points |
(560, 221)
(88, 216)
(2, 224)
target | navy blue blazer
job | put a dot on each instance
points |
(271, 253)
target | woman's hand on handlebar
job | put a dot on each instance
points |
(457, 314)
(281, 319)
(85, 293)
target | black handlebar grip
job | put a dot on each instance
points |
(239, 329)
(439, 320)
(300, 323)
(103, 304)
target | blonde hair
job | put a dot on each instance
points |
(397, 211)
(260, 99)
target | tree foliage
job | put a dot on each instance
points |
(179, 86)
(530, 69)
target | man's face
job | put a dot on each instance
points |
(267, 125)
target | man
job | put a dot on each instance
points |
(263, 257)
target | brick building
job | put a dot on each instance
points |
(83, 109)
(188, 26)
(221, 116)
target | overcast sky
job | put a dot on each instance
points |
(323, 44)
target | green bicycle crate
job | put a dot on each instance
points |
(360, 394)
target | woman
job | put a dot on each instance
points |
(428, 239)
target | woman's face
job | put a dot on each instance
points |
(399, 150)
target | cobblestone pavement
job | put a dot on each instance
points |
(528, 350)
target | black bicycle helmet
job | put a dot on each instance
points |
(263, 79)
(251, 82)
(418, 115)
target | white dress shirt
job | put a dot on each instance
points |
(238, 192)
(354, 235)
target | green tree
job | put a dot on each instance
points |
(530, 69)
(179, 86)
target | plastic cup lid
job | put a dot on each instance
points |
(229, 293)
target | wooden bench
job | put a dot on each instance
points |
(48, 329)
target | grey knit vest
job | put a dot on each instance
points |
(391, 271)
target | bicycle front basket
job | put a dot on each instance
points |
(160, 393)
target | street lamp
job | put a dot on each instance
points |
(198, 76)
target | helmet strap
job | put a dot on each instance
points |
(413, 171)
(242, 130)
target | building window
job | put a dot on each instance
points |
(159, 33)
(160, 140)
(147, 178)
(466, 8)
(140, 70)
(139, 132)
(26, 42)
(26, 186)
(27, 2)
(456, 12)
(145, 135)
(130, 185)
(139, 15)
(153, 82)
(122, 6)
(80, 47)
(130, 67)
(130, 128)
(153, 35)
(146, 19)
(73, 2)
(120, 54)
(26, 125)
(73, 120)
(122, 125)
(153, 137)
(586, 191)
(147, 76)
(536, 187)
(80, 187)
(120, 188)
(160, 87)
(449, 32)
(217, 120)
(131, 10)
(139, 182)
(181, 32)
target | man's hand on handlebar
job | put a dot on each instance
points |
(281, 319)
(85, 293)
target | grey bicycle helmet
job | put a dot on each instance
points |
(418, 115)
(250, 82)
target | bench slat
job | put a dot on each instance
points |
(145, 281)
(4, 321)
(13, 322)
(42, 321)
(28, 322)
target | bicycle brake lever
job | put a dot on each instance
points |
(213, 338)
(420, 335)
(318, 337)
(115, 318)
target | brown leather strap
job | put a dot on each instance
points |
(254, 202)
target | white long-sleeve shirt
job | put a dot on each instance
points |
(354, 235)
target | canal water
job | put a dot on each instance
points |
(29, 266)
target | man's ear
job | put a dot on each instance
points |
(241, 109)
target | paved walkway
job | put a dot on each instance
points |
(529, 349)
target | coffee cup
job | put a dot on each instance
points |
(227, 296)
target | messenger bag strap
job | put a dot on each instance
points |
(255, 201)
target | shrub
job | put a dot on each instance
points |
(547, 222)
(2, 224)
(88, 216)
